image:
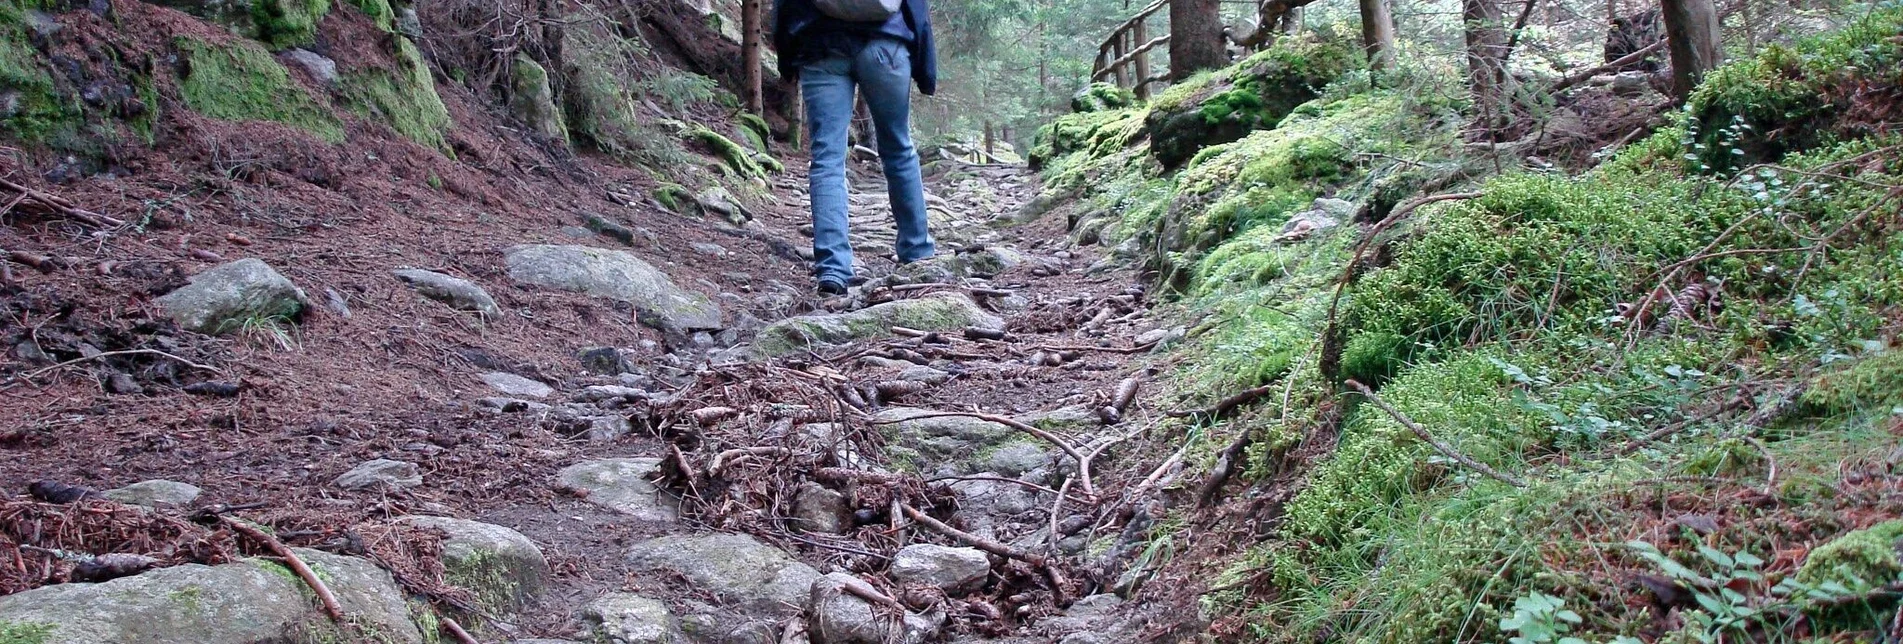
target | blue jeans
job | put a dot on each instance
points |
(883, 70)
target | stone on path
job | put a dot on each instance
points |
(155, 493)
(228, 297)
(246, 601)
(620, 484)
(623, 618)
(747, 574)
(501, 566)
(615, 275)
(514, 385)
(955, 570)
(937, 312)
(458, 293)
(394, 475)
(820, 510)
(835, 616)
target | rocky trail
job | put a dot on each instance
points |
(910, 462)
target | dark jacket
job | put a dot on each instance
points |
(795, 19)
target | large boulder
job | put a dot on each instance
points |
(615, 275)
(458, 293)
(498, 564)
(228, 297)
(747, 574)
(937, 312)
(1253, 94)
(622, 485)
(236, 603)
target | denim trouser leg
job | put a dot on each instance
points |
(885, 75)
(827, 88)
(883, 71)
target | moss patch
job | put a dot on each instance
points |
(242, 82)
(24, 632)
(1859, 560)
(287, 23)
(732, 155)
(31, 104)
(404, 98)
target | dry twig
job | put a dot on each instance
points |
(304, 572)
(1443, 448)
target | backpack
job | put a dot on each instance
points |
(858, 10)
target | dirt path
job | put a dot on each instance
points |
(1072, 335)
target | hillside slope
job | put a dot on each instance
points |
(1662, 394)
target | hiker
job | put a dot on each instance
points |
(879, 47)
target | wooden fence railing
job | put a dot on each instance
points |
(1123, 58)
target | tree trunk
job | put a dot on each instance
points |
(750, 55)
(1377, 34)
(1195, 37)
(1486, 70)
(1691, 33)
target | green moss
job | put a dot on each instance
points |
(1874, 383)
(1253, 94)
(242, 82)
(1101, 97)
(37, 111)
(674, 197)
(404, 98)
(732, 155)
(1792, 98)
(757, 125)
(287, 23)
(379, 12)
(488, 577)
(1859, 560)
(12, 632)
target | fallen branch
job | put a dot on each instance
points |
(1135, 349)
(63, 206)
(1226, 405)
(865, 591)
(1586, 74)
(1668, 430)
(304, 572)
(975, 541)
(737, 454)
(1443, 448)
(108, 354)
(456, 630)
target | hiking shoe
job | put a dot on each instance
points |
(831, 288)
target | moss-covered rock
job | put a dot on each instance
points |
(277, 23)
(240, 81)
(1102, 97)
(247, 601)
(1254, 94)
(734, 157)
(402, 96)
(1859, 560)
(502, 567)
(31, 105)
(1098, 134)
(1872, 384)
(532, 101)
(940, 312)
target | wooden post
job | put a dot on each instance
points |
(1122, 47)
(1140, 35)
(990, 143)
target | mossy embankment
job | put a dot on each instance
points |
(1683, 360)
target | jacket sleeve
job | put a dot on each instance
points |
(924, 52)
